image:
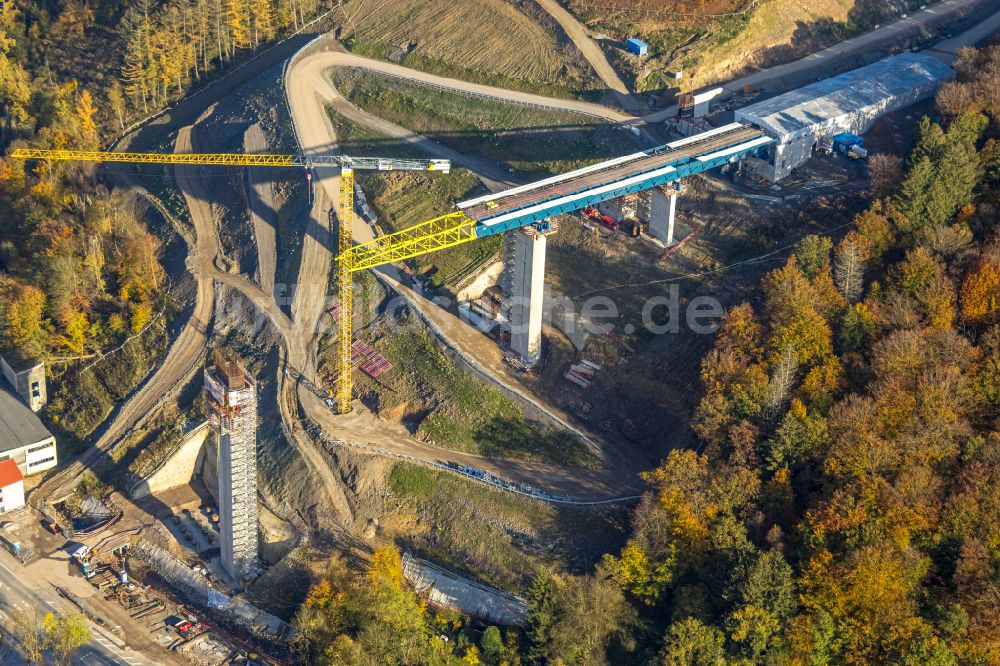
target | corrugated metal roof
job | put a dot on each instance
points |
(19, 426)
(845, 94)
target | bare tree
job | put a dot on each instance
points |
(116, 100)
(782, 380)
(885, 173)
(848, 270)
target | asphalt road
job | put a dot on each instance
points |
(915, 22)
(817, 65)
(19, 594)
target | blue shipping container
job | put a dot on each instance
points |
(844, 141)
(637, 46)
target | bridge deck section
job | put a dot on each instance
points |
(486, 210)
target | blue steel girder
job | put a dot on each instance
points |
(683, 170)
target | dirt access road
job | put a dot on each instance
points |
(307, 304)
(183, 359)
(579, 35)
(310, 80)
(317, 61)
(263, 211)
(310, 91)
(310, 63)
(309, 88)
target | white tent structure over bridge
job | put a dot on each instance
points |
(850, 102)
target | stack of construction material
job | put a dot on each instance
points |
(582, 373)
(368, 360)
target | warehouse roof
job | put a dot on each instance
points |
(850, 92)
(19, 426)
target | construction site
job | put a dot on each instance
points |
(409, 328)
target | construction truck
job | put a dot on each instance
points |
(189, 628)
(606, 220)
(82, 558)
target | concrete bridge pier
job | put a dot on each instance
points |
(528, 293)
(663, 212)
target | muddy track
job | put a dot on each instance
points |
(309, 91)
(307, 96)
(181, 362)
(577, 32)
(263, 210)
(307, 305)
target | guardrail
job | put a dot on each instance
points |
(481, 476)
(481, 96)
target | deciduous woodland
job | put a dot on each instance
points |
(845, 503)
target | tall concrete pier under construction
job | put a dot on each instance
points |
(232, 404)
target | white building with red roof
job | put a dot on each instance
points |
(11, 486)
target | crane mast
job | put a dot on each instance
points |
(345, 291)
(347, 260)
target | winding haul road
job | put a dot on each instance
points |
(310, 93)
(591, 51)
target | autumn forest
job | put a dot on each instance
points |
(843, 503)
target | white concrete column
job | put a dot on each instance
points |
(528, 295)
(662, 214)
(670, 217)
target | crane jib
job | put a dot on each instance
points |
(236, 159)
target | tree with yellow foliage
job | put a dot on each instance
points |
(15, 89)
(980, 294)
(21, 307)
(238, 21)
(64, 634)
(85, 112)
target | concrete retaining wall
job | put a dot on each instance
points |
(486, 278)
(446, 588)
(180, 468)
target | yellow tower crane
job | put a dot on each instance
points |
(436, 234)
